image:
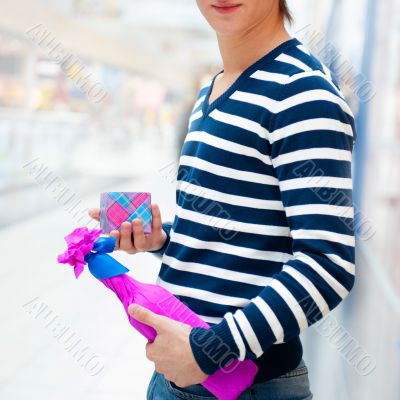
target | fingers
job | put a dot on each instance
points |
(139, 241)
(94, 213)
(158, 236)
(145, 316)
(153, 354)
(138, 235)
(116, 235)
(156, 218)
(149, 351)
(125, 242)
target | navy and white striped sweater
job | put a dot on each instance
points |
(262, 243)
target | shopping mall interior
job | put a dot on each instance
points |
(95, 96)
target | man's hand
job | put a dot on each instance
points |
(170, 351)
(132, 238)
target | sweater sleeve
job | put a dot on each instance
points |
(167, 229)
(311, 136)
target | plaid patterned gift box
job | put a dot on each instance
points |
(117, 207)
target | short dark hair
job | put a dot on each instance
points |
(285, 12)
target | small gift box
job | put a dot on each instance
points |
(117, 207)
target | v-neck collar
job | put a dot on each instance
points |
(270, 56)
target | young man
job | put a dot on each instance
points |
(262, 243)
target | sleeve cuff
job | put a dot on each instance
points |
(167, 229)
(213, 348)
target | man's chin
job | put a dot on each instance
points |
(228, 28)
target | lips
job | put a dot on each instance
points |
(225, 8)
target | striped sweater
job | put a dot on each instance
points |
(262, 244)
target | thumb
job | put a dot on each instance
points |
(145, 316)
(94, 213)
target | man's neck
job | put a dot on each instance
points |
(240, 51)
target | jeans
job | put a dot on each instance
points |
(292, 386)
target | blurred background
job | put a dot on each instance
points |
(95, 96)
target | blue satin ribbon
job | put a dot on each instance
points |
(101, 265)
